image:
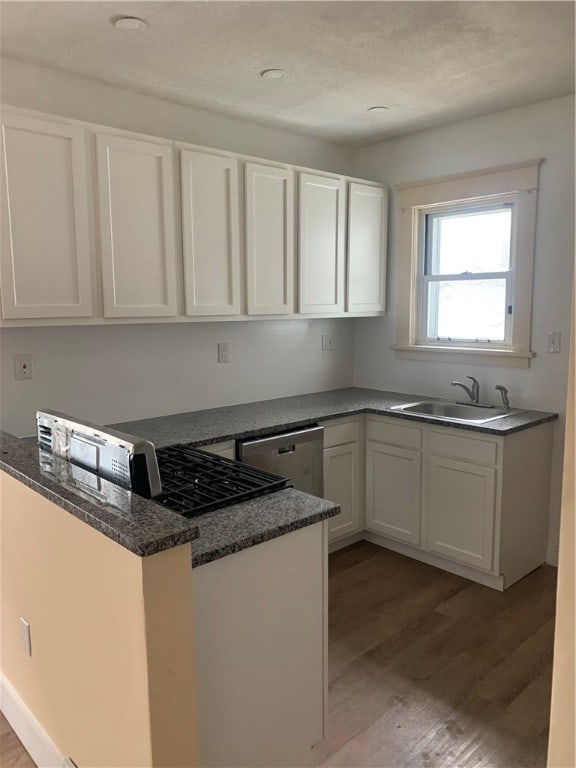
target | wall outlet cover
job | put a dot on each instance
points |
(553, 341)
(25, 636)
(23, 366)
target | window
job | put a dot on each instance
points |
(465, 275)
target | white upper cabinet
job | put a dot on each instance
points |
(137, 227)
(322, 243)
(211, 233)
(269, 240)
(244, 238)
(367, 232)
(45, 262)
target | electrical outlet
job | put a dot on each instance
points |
(25, 636)
(553, 341)
(23, 366)
(327, 342)
(223, 352)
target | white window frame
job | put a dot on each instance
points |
(515, 185)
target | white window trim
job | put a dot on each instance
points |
(521, 182)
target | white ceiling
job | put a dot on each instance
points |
(431, 63)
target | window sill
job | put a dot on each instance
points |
(503, 358)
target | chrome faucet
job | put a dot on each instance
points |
(472, 392)
(504, 392)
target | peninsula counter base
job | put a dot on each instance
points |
(260, 618)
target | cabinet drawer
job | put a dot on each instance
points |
(396, 434)
(339, 434)
(469, 449)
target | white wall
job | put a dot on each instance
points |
(106, 373)
(58, 93)
(117, 373)
(545, 131)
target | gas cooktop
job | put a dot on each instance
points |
(195, 482)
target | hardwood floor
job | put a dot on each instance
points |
(12, 753)
(429, 670)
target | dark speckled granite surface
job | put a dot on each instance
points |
(239, 421)
(238, 527)
(137, 524)
(144, 527)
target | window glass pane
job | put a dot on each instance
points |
(467, 309)
(469, 242)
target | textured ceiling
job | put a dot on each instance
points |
(431, 63)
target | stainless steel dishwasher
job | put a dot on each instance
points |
(296, 455)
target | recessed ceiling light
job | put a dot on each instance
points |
(274, 74)
(129, 23)
(377, 109)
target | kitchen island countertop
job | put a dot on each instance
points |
(144, 527)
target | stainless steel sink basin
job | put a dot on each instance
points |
(455, 411)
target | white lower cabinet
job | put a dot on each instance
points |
(461, 508)
(472, 503)
(342, 484)
(393, 491)
(343, 475)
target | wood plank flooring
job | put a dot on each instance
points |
(427, 670)
(430, 670)
(12, 753)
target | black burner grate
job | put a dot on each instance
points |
(194, 482)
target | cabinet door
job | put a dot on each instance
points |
(45, 263)
(137, 227)
(210, 229)
(393, 499)
(269, 240)
(460, 511)
(321, 234)
(367, 232)
(341, 485)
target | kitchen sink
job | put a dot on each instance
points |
(478, 414)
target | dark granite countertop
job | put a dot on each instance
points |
(143, 527)
(240, 526)
(240, 421)
(137, 524)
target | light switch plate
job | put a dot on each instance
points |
(223, 352)
(327, 342)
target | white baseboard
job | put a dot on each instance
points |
(345, 541)
(552, 557)
(487, 579)
(36, 741)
